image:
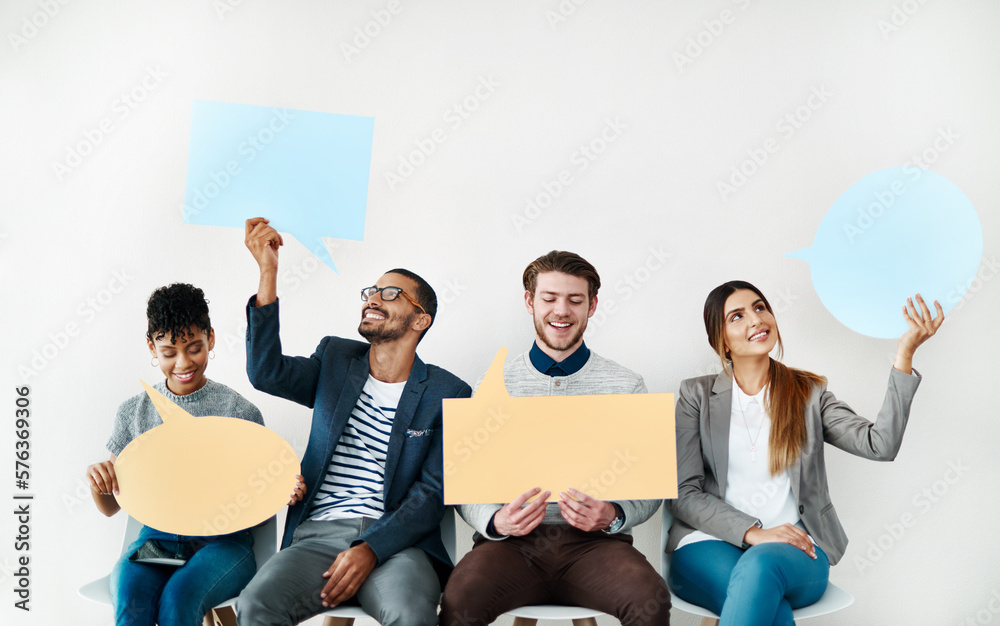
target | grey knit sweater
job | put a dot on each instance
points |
(598, 376)
(137, 414)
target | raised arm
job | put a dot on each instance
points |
(294, 378)
(263, 242)
(880, 441)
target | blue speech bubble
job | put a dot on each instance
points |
(307, 172)
(894, 233)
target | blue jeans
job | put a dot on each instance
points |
(757, 586)
(144, 595)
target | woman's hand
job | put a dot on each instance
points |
(299, 492)
(786, 533)
(104, 486)
(922, 327)
(103, 480)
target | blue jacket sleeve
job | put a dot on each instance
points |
(292, 378)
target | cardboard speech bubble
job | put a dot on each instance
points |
(306, 171)
(895, 232)
(611, 447)
(204, 476)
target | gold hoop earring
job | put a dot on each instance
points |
(154, 362)
(211, 354)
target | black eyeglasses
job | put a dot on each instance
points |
(389, 294)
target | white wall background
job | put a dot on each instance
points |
(65, 239)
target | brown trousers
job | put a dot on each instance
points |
(555, 564)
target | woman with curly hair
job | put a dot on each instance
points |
(180, 339)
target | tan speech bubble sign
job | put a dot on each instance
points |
(611, 447)
(204, 476)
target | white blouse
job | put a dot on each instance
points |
(749, 484)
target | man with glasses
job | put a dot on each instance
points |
(367, 527)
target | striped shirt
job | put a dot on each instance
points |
(353, 483)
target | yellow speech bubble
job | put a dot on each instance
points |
(611, 447)
(204, 476)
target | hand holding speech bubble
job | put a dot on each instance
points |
(611, 447)
(204, 476)
(896, 232)
(306, 171)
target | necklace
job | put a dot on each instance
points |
(753, 439)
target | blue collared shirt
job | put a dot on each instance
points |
(570, 365)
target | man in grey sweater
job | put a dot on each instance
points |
(577, 550)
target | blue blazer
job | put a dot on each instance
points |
(330, 382)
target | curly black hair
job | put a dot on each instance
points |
(174, 309)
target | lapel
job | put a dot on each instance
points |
(720, 409)
(408, 402)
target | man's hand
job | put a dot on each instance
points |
(786, 533)
(348, 572)
(263, 242)
(583, 512)
(514, 521)
(299, 493)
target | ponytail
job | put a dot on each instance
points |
(788, 392)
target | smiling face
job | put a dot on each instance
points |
(560, 309)
(750, 329)
(185, 360)
(384, 321)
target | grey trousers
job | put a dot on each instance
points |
(402, 591)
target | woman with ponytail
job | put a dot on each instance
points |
(754, 530)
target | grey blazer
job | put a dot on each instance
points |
(703, 412)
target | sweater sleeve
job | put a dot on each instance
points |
(636, 512)
(124, 429)
(479, 517)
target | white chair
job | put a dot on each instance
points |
(264, 544)
(529, 615)
(345, 616)
(834, 599)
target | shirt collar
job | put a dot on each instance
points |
(567, 367)
(745, 400)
